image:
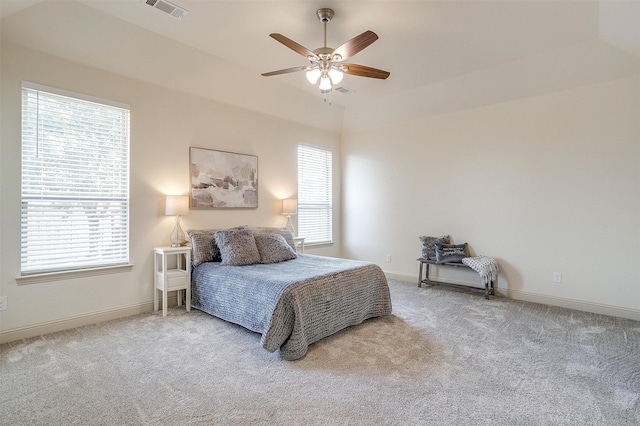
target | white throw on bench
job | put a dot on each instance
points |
(486, 266)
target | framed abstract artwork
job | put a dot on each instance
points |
(221, 179)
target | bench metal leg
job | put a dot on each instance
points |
(488, 289)
(426, 274)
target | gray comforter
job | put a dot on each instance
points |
(293, 303)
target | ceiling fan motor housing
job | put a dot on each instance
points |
(325, 15)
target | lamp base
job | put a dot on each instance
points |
(289, 225)
(177, 236)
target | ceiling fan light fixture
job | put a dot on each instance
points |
(313, 75)
(335, 75)
(325, 84)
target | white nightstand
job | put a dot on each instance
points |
(172, 271)
(299, 243)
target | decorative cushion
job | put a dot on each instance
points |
(203, 246)
(273, 248)
(285, 232)
(446, 253)
(429, 245)
(237, 247)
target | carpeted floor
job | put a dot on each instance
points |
(443, 358)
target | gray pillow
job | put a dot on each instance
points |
(273, 248)
(237, 247)
(285, 232)
(429, 245)
(447, 253)
(203, 246)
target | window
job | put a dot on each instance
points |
(75, 181)
(314, 195)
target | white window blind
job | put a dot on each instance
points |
(75, 181)
(314, 195)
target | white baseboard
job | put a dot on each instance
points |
(78, 321)
(579, 305)
(401, 277)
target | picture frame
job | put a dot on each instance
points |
(222, 180)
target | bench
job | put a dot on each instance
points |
(424, 265)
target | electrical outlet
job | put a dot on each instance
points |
(557, 277)
(388, 258)
(3, 303)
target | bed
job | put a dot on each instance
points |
(292, 303)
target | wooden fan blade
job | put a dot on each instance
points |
(292, 45)
(356, 44)
(284, 71)
(363, 71)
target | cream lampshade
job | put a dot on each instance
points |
(177, 205)
(289, 207)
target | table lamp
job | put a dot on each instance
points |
(177, 205)
(289, 207)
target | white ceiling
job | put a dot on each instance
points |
(221, 47)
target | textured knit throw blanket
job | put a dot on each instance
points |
(486, 266)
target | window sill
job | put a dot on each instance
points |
(318, 245)
(68, 275)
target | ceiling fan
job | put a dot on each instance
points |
(325, 63)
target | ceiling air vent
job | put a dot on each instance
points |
(343, 90)
(173, 10)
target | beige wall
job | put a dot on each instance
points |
(544, 184)
(164, 124)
